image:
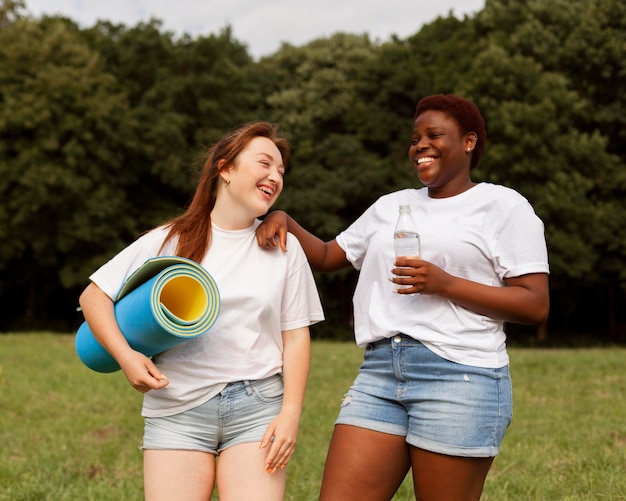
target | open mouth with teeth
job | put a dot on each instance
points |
(425, 160)
(269, 192)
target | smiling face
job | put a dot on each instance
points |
(252, 184)
(440, 154)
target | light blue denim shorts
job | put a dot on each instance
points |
(240, 413)
(403, 388)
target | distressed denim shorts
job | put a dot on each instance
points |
(403, 388)
(240, 413)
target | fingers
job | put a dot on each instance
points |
(272, 238)
(267, 437)
(281, 449)
(145, 384)
(279, 455)
(142, 374)
(409, 280)
(282, 236)
(405, 276)
(278, 238)
(153, 378)
(419, 276)
(266, 241)
(272, 232)
(154, 371)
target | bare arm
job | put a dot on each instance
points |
(284, 428)
(322, 256)
(140, 371)
(523, 300)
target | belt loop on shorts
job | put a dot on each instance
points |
(248, 387)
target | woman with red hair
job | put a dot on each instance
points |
(237, 391)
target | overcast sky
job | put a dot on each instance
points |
(263, 24)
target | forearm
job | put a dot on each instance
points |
(314, 248)
(520, 301)
(296, 364)
(322, 256)
(98, 310)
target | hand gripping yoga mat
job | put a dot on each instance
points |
(167, 301)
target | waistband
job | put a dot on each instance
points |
(398, 338)
(247, 384)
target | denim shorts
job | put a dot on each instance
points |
(240, 413)
(403, 388)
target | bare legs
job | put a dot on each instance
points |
(437, 477)
(173, 475)
(364, 465)
(178, 475)
(241, 475)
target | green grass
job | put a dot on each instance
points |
(67, 433)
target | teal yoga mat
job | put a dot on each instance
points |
(165, 302)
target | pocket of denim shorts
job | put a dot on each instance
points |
(269, 391)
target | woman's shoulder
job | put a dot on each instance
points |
(499, 192)
(503, 201)
(153, 239)
(150, 243)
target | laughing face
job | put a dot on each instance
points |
(440, 154)
(256, 178)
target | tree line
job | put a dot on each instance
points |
(101, 129)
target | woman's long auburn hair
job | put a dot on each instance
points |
(193, 228)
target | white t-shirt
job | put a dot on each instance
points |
(485, 234)
(262, 293)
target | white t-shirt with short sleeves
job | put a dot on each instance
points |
(485, 234)
(262, 293)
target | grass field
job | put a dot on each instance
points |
(67, 433)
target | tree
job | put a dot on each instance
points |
(552, 135)
(100, 131)
(64, 126)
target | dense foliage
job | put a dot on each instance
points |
(100, 129)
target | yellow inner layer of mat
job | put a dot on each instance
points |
(185, 298)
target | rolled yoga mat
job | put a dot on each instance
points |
(165, 302)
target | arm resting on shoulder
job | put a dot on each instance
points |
(322, 256)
